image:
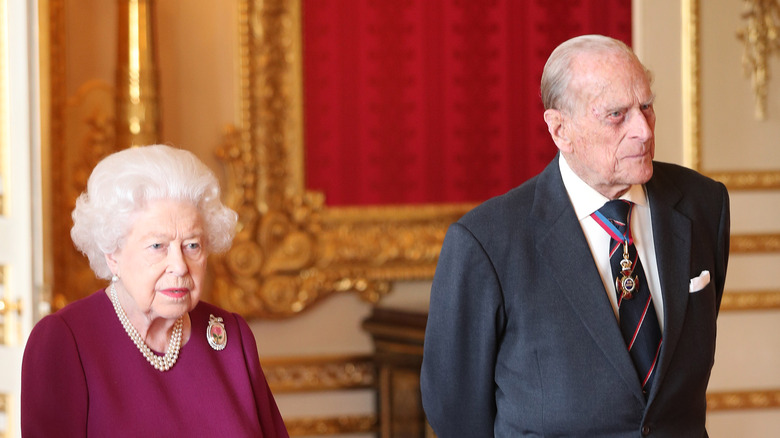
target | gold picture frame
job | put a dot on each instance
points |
(291, 250)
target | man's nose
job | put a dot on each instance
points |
(642, 125)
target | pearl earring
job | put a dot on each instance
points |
(114, 278)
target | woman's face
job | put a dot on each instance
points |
(162, 261)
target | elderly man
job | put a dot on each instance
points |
(583, 302)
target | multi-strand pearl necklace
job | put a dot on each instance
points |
(163, 363)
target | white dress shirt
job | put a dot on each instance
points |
(586, 200)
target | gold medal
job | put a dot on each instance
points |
(216, 334)
(626, 285)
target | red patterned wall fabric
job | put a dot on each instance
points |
(433, 101)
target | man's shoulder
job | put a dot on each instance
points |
(687, 186)
(509, 206)
(681, 176)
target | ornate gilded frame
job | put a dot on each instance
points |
(291, 249)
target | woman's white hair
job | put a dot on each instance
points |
(124, 182)
(557, 73)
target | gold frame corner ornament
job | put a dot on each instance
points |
(291, 249)
(761, 39)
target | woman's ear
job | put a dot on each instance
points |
(112, 263)
(558, 127)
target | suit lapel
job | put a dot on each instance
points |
(562, 245)
(672, 236)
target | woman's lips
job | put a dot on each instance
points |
(175, 292)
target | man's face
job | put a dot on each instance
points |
(610, 131)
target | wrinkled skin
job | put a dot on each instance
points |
(161, 266)
(608, 137)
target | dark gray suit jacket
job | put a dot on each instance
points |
(522, 339)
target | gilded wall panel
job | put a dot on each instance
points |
(744, 159)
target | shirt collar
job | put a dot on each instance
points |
(585, 199)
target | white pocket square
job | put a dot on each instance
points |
(699, 282)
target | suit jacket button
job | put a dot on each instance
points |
(645, 430)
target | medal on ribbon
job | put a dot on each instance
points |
(626, 285)
(216, 334)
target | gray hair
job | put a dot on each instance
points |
(557, 74)
(124, 182)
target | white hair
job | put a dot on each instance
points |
(557, 73)
(125, 181)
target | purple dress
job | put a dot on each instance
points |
(82, 376)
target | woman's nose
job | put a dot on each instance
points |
(176, 263)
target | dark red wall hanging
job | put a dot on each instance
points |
(433, 101)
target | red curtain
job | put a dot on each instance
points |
(433, 101)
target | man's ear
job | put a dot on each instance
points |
(558, 127)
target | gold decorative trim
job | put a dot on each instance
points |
(323, 373)
(5, 412)
(291, 250)
(690, 84)
(692, 148)
(319, 373)
(750, 300)
(766, 180)
(755, 243)
(4, 117)
(726, 401)
(137, 98)
(10, 311)
(331, 425)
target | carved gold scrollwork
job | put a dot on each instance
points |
(319, 373)
(761, 38)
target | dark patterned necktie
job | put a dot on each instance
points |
(638, 320)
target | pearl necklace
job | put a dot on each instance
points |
(163, 363)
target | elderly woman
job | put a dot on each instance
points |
(144, 356)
